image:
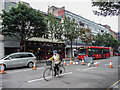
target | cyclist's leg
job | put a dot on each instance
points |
(55, 70)
(57, 66)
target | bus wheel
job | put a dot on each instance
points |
(105, 56)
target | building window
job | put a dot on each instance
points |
(8, 5)
(102, 31)
(81, 24)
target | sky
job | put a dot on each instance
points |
(80, 7)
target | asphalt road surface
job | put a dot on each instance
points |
(76, 76)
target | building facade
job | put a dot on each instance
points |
(1, 36)
(11, 44)
(111, 32)
(82, 22)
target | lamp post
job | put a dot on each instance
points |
(76, 44)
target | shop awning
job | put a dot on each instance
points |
(44, 40)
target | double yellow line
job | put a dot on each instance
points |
(113, 84)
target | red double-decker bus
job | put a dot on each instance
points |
(94, 52)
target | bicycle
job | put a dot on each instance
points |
(49, 72)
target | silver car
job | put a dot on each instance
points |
(18, 59)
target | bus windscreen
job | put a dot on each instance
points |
(82, 51)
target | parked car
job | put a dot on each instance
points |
(117, 53)
(18, 60)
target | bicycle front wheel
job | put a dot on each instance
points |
(48, 74)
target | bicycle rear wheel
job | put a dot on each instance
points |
(48, 74)
(61, 71)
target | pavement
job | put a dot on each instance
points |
(76, 76)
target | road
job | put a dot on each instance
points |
(76, 76)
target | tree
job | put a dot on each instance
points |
(71, 31)
(54, 27)
(23, 22)
(106, 40)
(86, 36)
(106, 8)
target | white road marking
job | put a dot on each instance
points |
(1, 88)
(47, 77)
(26, 70)
(107, 64)
(86, 68)
(35, 80)
(89, 68)
(41, 68)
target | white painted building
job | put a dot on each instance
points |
(4, 41)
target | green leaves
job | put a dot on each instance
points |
(24, 21)
(106, 40)
(70, 29)
(106, 8)
(54, 27)
(86, 35)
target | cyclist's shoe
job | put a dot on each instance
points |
(54, 74)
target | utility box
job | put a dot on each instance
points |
(88, 59)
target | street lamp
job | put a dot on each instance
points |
(76, 44)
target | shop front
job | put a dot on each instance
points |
(43, 49)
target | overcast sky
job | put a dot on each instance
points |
(80, 7)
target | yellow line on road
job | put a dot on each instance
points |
(113, 84)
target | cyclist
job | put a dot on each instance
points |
(57, 61)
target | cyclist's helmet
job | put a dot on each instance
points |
(54, 51)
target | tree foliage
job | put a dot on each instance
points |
(71, 31)
(86, 35)
(106, 8)
(23, 22)
(54, 27)
(106, 40)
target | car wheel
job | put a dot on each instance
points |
(30, 64)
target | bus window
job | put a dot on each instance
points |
(82, 51)
(105, 51)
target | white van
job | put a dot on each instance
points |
(18, 60)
